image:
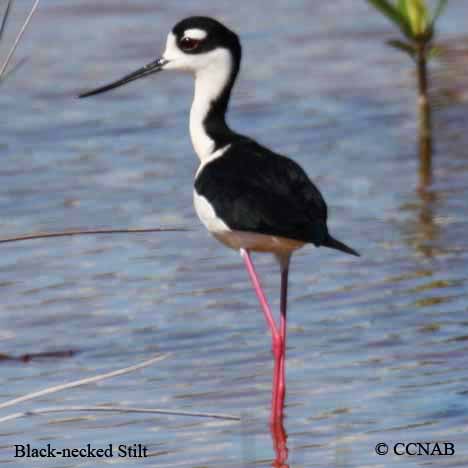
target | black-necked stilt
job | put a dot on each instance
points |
(248, 197)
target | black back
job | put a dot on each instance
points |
(253, 189)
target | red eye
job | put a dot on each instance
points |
(187, 43)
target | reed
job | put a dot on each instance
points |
(87, 232)
(93, 409)
(417, 23)
(19, 36)
(116, 409)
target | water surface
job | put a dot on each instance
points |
(377, 346)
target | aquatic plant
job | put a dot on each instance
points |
(90, 409)
(87, 232)
(417, 22)
(4, 20)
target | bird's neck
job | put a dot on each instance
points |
(208, 128)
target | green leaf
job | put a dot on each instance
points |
(418, 15)
(403, 46)
(434, 52)
(403, 8)
(439, 10)
(393, 14)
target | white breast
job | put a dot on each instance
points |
(203, 208)
(207, 215)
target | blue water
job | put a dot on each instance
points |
(377, 346)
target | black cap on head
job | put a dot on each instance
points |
(217, 35)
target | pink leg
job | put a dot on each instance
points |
(260, 294)
(276, 411)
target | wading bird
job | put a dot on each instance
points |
(248, 197)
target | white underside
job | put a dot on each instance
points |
(241, 239)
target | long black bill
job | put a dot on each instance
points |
(147, 70)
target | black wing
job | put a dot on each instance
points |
(253, 189)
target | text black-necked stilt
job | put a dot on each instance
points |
(248, 197)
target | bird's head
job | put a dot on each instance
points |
(196, 45)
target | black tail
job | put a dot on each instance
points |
(337, 245)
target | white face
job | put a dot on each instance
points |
(218, 58)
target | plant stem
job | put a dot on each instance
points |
(18, 38)
(425, 120)
(115, 409)
(81, 382)
(87, 232)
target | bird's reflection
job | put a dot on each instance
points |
(279, 443)
(279, 438)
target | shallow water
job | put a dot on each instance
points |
(377, 346)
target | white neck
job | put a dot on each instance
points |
(209, 84)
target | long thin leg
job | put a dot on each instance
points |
(260, 294)
(275, 334)
(283, 328)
